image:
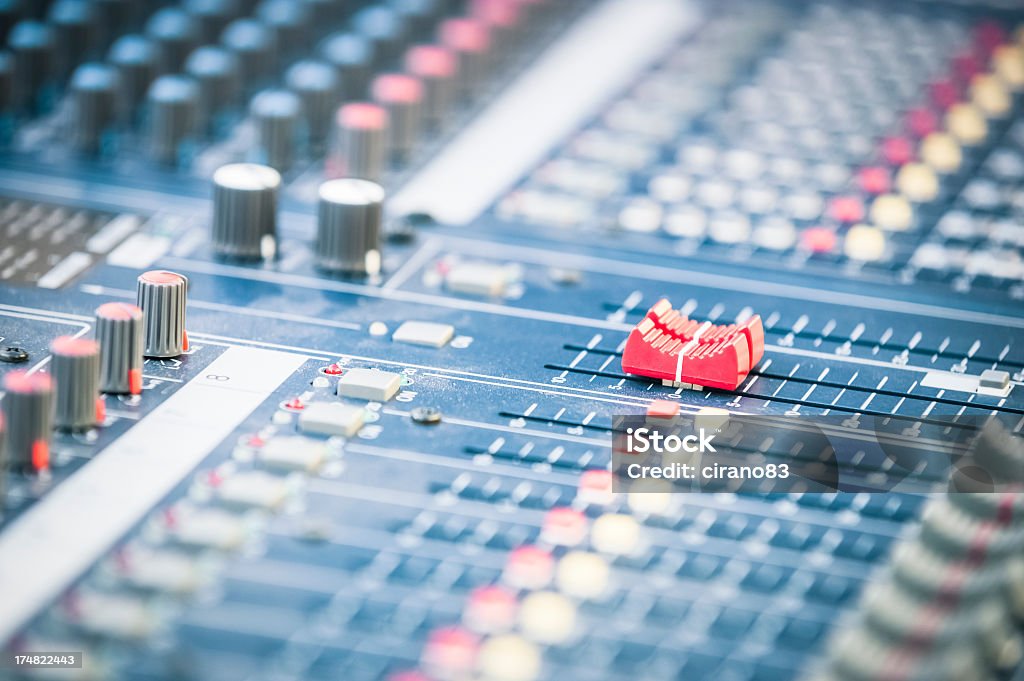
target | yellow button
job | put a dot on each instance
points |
(941, 151)
(892, 212)
(918, 182)
(990, 95)
(508, 658)
(615, 533)
(584, 575)
(864, 243)
(1008, 63)
(547, 617)
(967, 123)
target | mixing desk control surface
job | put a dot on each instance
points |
(502, 340)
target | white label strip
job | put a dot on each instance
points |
(598, 57)
(65, 533)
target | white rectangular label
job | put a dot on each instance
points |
(65, 533)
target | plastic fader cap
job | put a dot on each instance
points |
(1008, 63)
(942, 152)
(918, 182)
(864, 243)
(990, 95)
(369, 384)
(547, 617)
(583, 575)
(892, 212)
(508, 658)
(615, 533)
(967, 123)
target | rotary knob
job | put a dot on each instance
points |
(212, 16)
(359, 145)
(134, 57)
(288, 20)
(349, 225)
(75, 367)
(436, 67)
(28, 413)
(76, 33)
(276, 114)
(351, 55)
(316, 84)
(402, 96)
(217, 75)
(254, 44)
(244, 209)
(471, 41)
(32, 47)
(384, 27)
(162, 297)
(175, 33)
(173, 113)
(94, 98)
(119, 333)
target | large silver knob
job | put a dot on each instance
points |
(119, 333)
(161, 296)
(28, 414)
(75, 367)
(244, 210)
(349, 226)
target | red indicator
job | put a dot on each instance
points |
(564, 526)
(397, 88)
(450, 651)
(818, 239)
(40, 455)
(529, 567)
(668, 346)
(922, 122)
(430, 61)
(363, 116)
(135, 381)
(897, 151)
(874, 180)
(846, 209)
(465, 35)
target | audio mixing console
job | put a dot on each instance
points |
(335, 336)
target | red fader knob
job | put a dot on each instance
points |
(683, 352)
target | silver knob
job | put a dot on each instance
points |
(75, 367)
(28, 413)
(244, 209)
(359, 147)
(349, 225)
(119, 333)
(161, 296)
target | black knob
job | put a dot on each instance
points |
(212, 16)
(277, 116)
(76, 33)
(175, 34)
(352, 56)
(218, 77)
(10, 12)
(6, 82)
(316, 84)
(75, 367)
(94, 90)
(289, 22)
(134, 57)
(119, 333)
(254, 44)
(244, 210)
(173, 103)
(28, 417)
(32, 47)
(349, 225)
(384, 27)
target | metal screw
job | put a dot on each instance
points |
(426, 415)
(13, 354)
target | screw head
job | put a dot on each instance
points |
(13, 354)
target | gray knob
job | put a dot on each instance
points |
(254, 44)
(162, 297)
(32, 46)
(349, 225)
(134, 57)
(75, 367)
(316, 84)
(76, 31)
(359, 144)
(212, 16)
(384, 27)
(288, 20)
(244, 209)
(351, 55)
(402, 96)
(175, 34)
(28, 413)
(471, 41)
(94, 89)
(119, 333)
(436, 67)
(173, 103)
(418, 15)
(6, 82)
(218, 77)
(277, 115)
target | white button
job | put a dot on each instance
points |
(369, 384)
(331, 418)
(431, 334)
